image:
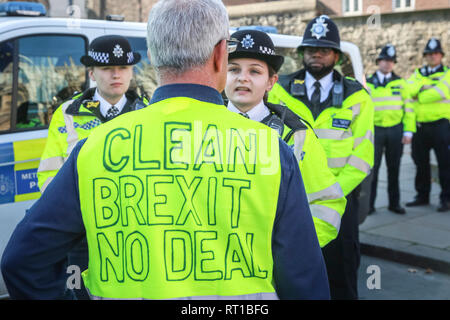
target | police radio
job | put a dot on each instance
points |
(298, 88)
(338, 93)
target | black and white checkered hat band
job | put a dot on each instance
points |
(102, 57)
(266, 50)
(130, 57)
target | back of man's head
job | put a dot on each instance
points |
(181, 34)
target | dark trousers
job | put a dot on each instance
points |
(388, 141)
(342, 255)
(432, 135)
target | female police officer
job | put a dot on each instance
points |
(252, 71)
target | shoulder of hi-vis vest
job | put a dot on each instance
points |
(432, 93)
(171, 198)
(344, 131)
(73, 121)
(325, 197)
(392, 103)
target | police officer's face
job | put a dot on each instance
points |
(112, 81)
(247, 81)
(385, 66)
(433, 59)
(319, 61)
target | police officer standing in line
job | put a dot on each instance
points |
(169, 196)
(394, 124)
(341, 112)
(252, 72)
(430, 87)
(110, 63)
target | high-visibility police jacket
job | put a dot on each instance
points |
(344, 126)
(326, 199)
(73, 121)
(431, 94)
(391, 102)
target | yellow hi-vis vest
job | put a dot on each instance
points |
(431, 95)
(179, 200)
(345, 132)
(325, 197)
(391, 104)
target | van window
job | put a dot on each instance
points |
(50, 71)
(40, 72)
(144, 80)
(6, 80)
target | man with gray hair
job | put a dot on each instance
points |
(170, 202)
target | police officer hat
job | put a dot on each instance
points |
(258, 45)
(110, 50)
(433, 45)
(321, 32)
(388, 53)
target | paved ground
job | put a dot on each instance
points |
(421, 237)
(400, 282)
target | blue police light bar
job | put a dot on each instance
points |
(19, 8)
(266, 29)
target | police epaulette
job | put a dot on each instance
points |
(290, 118)
(74, 108)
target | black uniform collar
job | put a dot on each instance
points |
(424, 70)
(87, 96)
(376, 82)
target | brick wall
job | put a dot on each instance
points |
(334, 7)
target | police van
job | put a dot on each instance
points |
(40, 68)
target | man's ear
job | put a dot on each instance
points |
(91, 73)
(149, 56)
(272, 81)
(220, 56)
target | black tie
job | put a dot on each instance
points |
(244, 115)
(112, 112)
(315, 98)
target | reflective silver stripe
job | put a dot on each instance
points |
(368, 136)
(391, 98)
(46, 183)
(410, 100)
(354, 161)
(54, 163)
(337, 162)
(332, 192)
(333, 134)
(299, 141)
(253, 296)
(326, 214)
(409, 110)
(446, 84)
(355, 110)
(359, 164)
(72, 135)
(426, 87)
(441, 93)
(381, 108)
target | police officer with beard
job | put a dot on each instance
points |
(341, 113)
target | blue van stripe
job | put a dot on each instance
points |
(6, 152)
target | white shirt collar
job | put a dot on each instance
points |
(257, 113)
(326, 83)
(433, 70)
(381, 76)
(105, 105)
